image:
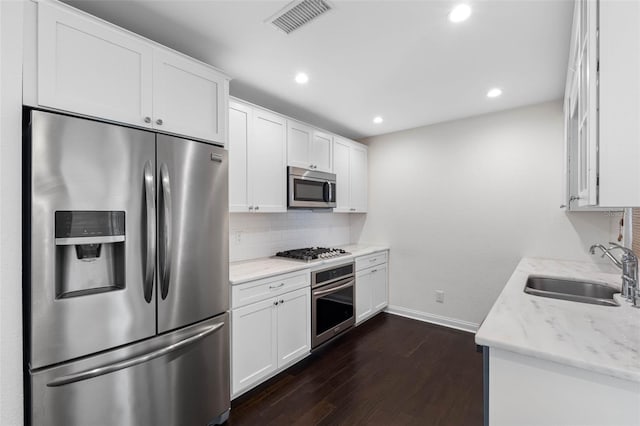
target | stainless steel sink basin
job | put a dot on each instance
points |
(574, 290)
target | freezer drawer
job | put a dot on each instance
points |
(180, 378)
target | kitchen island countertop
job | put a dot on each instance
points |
(602, 339)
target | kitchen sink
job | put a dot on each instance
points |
(570, 289)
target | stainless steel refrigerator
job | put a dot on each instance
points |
(126, 275)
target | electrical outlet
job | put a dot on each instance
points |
(440, 296)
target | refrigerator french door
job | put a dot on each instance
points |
(127, 275)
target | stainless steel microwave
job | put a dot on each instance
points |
(310, 189)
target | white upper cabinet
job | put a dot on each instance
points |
(350, 167)
(322, 151)
(93, 68)
(602, 136)
(90, 67)
(309, 148)
(239, 129)
(257, 160)
(189, 98)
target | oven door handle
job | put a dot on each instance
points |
(334, 289)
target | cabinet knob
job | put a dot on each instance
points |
(256, 208)
(281, 301)
(147, 119)
(275, 303)
(159, 121)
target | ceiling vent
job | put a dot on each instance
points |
(298, 13)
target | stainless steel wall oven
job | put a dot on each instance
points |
(332, 302)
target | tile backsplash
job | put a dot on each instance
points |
(260, 235)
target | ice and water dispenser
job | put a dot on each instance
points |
(90, 252)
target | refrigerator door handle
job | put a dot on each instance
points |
(99, 371)
(151, 231)
(165, 253)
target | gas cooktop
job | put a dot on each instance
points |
(312, 253)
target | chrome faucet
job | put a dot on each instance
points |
(629, 266)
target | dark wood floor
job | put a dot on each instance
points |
(389, 371)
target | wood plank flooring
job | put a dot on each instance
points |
(389, 371)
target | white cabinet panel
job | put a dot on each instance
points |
(92, 68)
(350, 166)
(322, 152)
(372, 285)
(299, 138)
(267, 159)
(254, 343)
(189, 98)
(379, 288)
(309, 148)
(239, 129)
(359, 178)
(341, 167)
(364, 295)
(294, 326)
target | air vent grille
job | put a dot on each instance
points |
(299, 13)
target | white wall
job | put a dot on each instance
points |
(11, 408)
(460, 203)
(254, 235)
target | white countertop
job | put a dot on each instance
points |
(254, 269)
(602, 339)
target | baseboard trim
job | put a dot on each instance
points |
(470, 327)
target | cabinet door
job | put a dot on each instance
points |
(364, 300)
(322, 151)
(379, 287)
(267, 162)
(92, 68)
(239, 130)
(189, 98)
(299, 137)
(341, 168)
(253, 343)
(587, 130)
(294, 325)
(358, 173)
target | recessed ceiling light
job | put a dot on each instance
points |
(377, 120)
(460, 13)
(494, 93)
(302, 78)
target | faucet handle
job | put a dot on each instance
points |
(627, 252)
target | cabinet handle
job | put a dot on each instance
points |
(275, 303)
(159, 121)
(250, 208)
(256, 208)
(147, 119)
(373, 260)
(276, 286)
(281, 301)
(374, 270)
(352, 209)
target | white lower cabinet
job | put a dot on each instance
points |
(271, 334)
(371, 285)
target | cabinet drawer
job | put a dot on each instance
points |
(371, 260)
(255, 291)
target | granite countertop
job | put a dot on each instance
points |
(601, 339)
(254, 269)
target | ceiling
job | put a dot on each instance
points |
(402, 60)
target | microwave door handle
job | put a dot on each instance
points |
(165, 259)
(150, 231)
(330, 192)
